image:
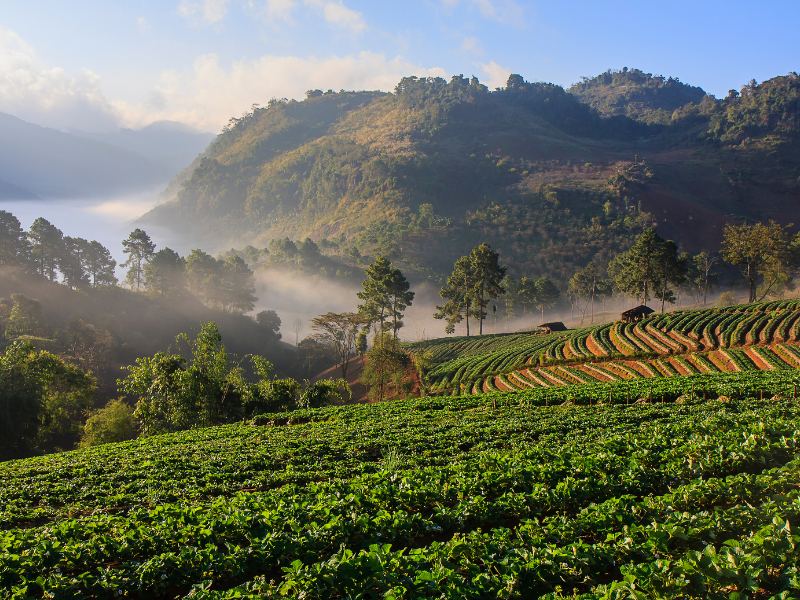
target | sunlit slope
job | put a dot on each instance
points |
(748, 337)
(469, 497)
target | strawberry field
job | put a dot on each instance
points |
(759, 336)
(676, 487)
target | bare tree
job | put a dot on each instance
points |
(338, 331)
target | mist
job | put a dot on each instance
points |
(108, 220)
(299, 297)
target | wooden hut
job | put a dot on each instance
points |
(551, 327)
(636, 314)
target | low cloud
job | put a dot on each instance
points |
(210, 93)
(205, 95)
(48, 95)
(494, 75)
(207, 11)
(508, 12)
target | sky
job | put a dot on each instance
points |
(97, 65)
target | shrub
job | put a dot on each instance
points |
(112, 423)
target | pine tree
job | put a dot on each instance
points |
(139, 248)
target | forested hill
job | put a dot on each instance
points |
(549, 177)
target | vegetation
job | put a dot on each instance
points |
(734, 338)
(551, 179)
(418, 498)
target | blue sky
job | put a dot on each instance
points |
(91, 64)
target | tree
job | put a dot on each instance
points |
(25, 317)
(14, 249)
(139, 248)
(487, 278)
(237, 290)
(271, 322)
(112, 423)
(547, 294)
(42, 400)
(46, 243)
(589, 283)
(648, 268)
(375, 304)
(164, 273)
(762, 252)
(701, 273)
(338, 331)
(400, 298)
(671, 270)
(526, 291)
(98, 264)
(71, 263)
(457, 294)
(203, 275)
(174, 391)
(385, 367)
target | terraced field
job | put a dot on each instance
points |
(749, 337)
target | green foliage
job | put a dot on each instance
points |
(139, 248)
(112, 423)
(385, 368)
(385, 295)
(495, 496)
(636, 94)
(172, 392)
(42, 400)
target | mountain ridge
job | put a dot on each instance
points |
(532, 168)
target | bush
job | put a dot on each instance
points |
(112, 423)
(325, 392)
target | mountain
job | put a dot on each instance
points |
(551, 177)
(39, 161)
(633, 93)
(172, 146)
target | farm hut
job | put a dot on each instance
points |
(636, 314)
(551, 327)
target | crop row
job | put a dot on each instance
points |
(513, 500)
(459, 363)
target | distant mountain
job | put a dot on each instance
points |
(553, 178)
(172, 146)
(42, 162)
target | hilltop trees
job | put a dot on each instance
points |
(47, 247)
(476, 279)
(385, 295)
(13, 241)
(139, 248)
(164, 273)
(99, 264)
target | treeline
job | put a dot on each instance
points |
(224, 283)
(46, 402)
(766, 254)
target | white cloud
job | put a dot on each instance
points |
(142, 24)
(339, 15)
(509, 12)
(209, 94)
(280, 10)
(210, 11)
(48, 95)
(494, 75)
(471, 45)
